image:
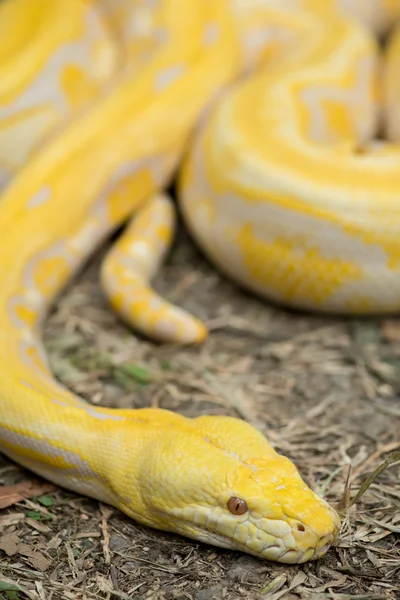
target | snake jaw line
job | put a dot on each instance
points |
(256, 543)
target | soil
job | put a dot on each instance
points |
(324, 390)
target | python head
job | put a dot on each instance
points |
(218, 480)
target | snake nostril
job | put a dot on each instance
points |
(300, 527)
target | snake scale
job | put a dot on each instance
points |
(269, 112)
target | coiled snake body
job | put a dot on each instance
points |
(271, 106)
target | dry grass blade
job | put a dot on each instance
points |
(391, 459)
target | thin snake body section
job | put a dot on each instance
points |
(270, 106)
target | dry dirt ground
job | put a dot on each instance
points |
(325, 391)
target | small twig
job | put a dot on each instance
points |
(106, 512)
(114, 578)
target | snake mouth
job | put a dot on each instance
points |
(300, 556)
(275, 551)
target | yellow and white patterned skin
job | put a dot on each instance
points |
(100, 101)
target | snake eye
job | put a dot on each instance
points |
(237, 506)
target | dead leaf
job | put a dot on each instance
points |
(37, 525)
(299, 579)
(11, 519)
(37, 559)
(275, 584)
(54, 543)
(9, 543)
(10, 494)
(330, 584)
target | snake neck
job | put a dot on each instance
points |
(77, 445)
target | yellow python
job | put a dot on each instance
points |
(270, 105)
